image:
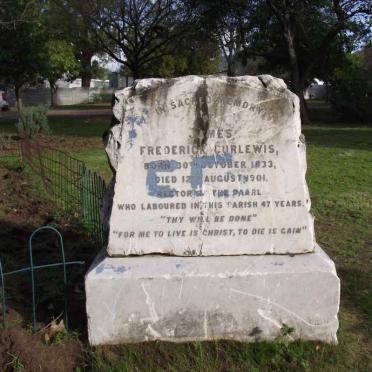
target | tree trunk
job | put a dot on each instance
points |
(230, 71)
(298, 88)
(135, 71)
(303, 107)
(327, 92)
(53, 90)
(297, 84)
(18, 99)
(86, 69)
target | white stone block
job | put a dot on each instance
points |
(247, 298)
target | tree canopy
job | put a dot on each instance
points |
(295, 39)
(22, 55)
(298, 39)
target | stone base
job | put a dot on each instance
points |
(247, 298)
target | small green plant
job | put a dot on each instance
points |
(33, 121)
(15, 363)
(5, 141)
(64, 335)
(286, 330)
(29, 328)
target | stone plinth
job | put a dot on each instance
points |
(247, 298)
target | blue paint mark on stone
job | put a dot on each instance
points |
(201, 162)
(132, 121)
(153, 189)
(100, 268)
(135, 120)
(116, 269)
(120, 269)
(132, 134)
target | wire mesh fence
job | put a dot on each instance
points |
(66, 181)
(8, 145)
(32, 268)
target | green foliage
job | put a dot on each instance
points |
(286, 330)
(33, 121)
(22, 56)
(102, 97)
(15, 363)
(88, 127)
(193, 55)
(352, 90)
(68, 24)
(61, 60)
(62, 336)
(98, 72)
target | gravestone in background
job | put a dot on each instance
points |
(209, 166)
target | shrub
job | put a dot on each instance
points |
(102, 97)
(33, 121)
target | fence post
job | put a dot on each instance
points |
(82, 190)
(2, 293)
(32, 274)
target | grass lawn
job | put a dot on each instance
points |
(86, 106)
(340, 181)
(67, 126)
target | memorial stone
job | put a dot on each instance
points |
(209, 166)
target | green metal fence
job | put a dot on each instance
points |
(68, 182)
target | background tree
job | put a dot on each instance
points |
(295, 39)
(11, 20)
(302, 33)
(351, 88)
(61, 63)
(196, 54)
(23, 45)
(225, 22)
(66, 19)
(136, 33)
(98, 72)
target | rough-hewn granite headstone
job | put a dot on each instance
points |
(208, 166)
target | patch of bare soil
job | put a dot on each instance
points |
(63, 143)
(21, 212)
(19, 347)
(76, 113)
(17, 200)
(70, 143)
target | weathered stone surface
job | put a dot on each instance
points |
(134, 299)
(208, 166)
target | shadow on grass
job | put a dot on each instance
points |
(357, 294)
(349, 138)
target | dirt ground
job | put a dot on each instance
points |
(71, 143)
(19, 346)
(49, 349)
